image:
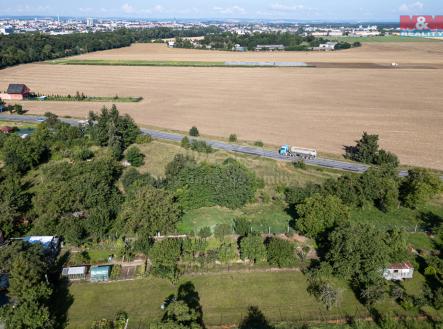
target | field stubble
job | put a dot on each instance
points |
(324, 108)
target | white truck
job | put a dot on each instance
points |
(299, 152)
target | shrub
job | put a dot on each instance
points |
(83, 154)
(242, 226)
(253, 249)
(116, 272)
(135, 157)
(259, 143)
(143, 139)
(201, 146)
(205, 232)
(194, 132)
(280, 253)
(233, 138)
(185, 143)
(221, 230)
(227, 252)
(419, 187)
(299, 164)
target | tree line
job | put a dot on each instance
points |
(291, 41)
(22, 48)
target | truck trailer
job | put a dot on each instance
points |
(299, 152)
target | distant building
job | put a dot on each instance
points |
(6, 30)
(399, 271)
(269, 47)
(328, 46)
(171, 44)
(16, 92)
(100, 273)
(239, 48)
(75, 273)
(90, 22)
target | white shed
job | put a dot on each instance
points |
(399, 271)
(75, 273)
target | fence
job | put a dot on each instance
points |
(223, 317)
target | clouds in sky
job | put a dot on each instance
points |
(270, 9)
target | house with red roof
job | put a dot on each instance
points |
(399, 271)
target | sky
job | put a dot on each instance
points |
(326, 10)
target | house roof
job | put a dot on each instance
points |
(401, 266)
(16, 88)
(6, 129)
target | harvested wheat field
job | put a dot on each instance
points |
(324, 108)
(380, 53)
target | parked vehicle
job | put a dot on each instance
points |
(299, 152)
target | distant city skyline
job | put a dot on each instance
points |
(325, 10)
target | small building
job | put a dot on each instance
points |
(100, 273)
(328, 46)
(50, 244)
(171, 44)
(399, 271)
(237, 47)
(269, 47)
(75, 273)
(6, 130)
(16, 92)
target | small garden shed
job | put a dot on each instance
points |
(75, 273)
(100, 273)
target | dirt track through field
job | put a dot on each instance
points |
(324, 108)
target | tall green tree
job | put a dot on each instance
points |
(419, 187)
(148, 210)
(319, 213)
(253, 249)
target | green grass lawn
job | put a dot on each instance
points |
(387, 38)
(262, 217)
(224, 298)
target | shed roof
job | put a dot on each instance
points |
(400, 266)
(78, 270)
(17, 88)
(100, 270)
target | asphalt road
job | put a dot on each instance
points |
(320, 162)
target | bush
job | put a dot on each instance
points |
(83, 154)
(132, 176)
(205, 232)
(135, 157)
(233, 138)
(259, 143)
(299, 164)
(116, 272)
(280, 253)
(419, 187)
(185, 143)
(194, 132)
(201, 146)
(221, 230)
(242, 226)
(253, 249)
(227, 252)
(143, 139)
